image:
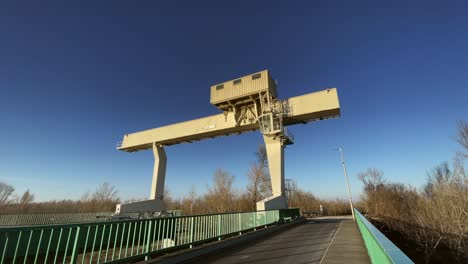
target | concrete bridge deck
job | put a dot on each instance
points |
(318, 240)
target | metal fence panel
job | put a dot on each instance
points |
(49, 219)
(120, 241)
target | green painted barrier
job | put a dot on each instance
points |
(7, 219)
(127, 240)
(380, 249)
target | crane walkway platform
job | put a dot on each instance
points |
(317, 240)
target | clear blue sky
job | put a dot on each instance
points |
(76, 77)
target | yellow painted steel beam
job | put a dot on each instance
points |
(300, 109)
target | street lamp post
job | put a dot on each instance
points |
(347, 182)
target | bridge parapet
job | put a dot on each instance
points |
(127, 240)
(379, 247)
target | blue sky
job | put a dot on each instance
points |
(74, 78)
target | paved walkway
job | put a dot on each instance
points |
(314, 241)
(347, 246)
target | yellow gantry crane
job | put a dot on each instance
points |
(248, 103)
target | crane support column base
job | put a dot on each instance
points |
(155, 203)
(148, 206)
(275, 154)
(272, 203)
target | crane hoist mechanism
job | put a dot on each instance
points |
(248, 103)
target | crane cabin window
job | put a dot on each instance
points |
(256, 76)
(236, 82)
(219, 87)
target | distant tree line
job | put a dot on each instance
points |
(9, 199)
(103, 199)
(435, 217)
(220, 197)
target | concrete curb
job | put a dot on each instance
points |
(188, 254)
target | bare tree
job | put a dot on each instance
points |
(459, 167)
(221, 195)
(292, 192)
(439, 175)
(426, 233)
(6, 192)
(192, 197)
(441, 214)
(254, 175)
(373, 181)
(262, 162)
(85, 196)
(371, 178)
(259, 185)
(168, 200)
(26, 198)
(105, 192)
(462, 136)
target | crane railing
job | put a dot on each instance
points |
(288, 134)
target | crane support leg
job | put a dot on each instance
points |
(159, 172)
(275, 154)
(155, 204)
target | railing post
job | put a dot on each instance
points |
(191, 232)
(74, 254)
(219, 227)
(255, 221)
(240, 223)
(148, 240)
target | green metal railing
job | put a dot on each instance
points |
(122, 241)
(379, 247)
(50, 219)
(9, 219)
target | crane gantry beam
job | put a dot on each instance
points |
(304, 108)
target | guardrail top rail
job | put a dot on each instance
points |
(127, 240)
(379, 247)
(9, 219)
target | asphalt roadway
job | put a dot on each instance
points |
(314, 241)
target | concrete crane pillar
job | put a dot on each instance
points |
(159, 172)
(156, 202)
(275, 154)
